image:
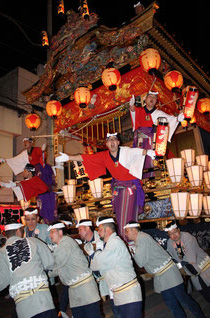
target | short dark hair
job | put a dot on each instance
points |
(86, 220)
(11, 233)
(29, 167)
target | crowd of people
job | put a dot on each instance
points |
(102, 264)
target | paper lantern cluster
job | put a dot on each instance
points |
(198, 173)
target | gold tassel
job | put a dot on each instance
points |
(107, 126)
(82, 135)
(97, 131)
(119, 124)
(113, 124)
(92, 131)
(87, 133)
(102, 129)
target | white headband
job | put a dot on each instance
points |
(55, 226)
(152, 93)
(66, 222)
(85, 223)
(110, 135)
(32, 212)
(131, 225)
(109, 220)
(172, 227)
(13, 226)
(137, 4)
(27, 138)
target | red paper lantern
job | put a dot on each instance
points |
(32, 121)
(82, 96)
(150, 60)
(54, 108)
(203, 105)
(161, 137)
(190, 96)
(173, 80)
(111, 78)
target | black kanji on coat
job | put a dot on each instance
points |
(18, 252)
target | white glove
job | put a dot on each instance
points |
(180, 117)
(99, 245)
(151, 153)
(2, 160)
(8, 185)
(88, 247)
(62, 158)
(78, 241)
(179, 265)
(132, 101)
(43, 147)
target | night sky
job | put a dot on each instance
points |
(189, 24)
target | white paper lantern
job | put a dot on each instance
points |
(206, 204)
(202, 161)
(195, 175)
(81, 213)
(175, 167)
(207, 178)
(69, 191)
(209, 165)
(96, 187)
(180, 204)
(189, 157)
(195, 204)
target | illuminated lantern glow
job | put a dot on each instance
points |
(203, 105)
(54, 108)
(189, 157)
(206, 204)
(207, 179)
(193, 120)
(111, 78)
(180, 204)
(32, 121)
(60, 7)
(195, 175)
(88, 150)
(190, 96)
(175, 167)
(84, 9)
(184, 123)
(81, 213)
(161, 137)
(173, 80)
(195, 204)
(45, 40)
(82, 96)
(96, 187)
(150, 60)
(69, 191)
(202, 160)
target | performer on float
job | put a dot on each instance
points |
(168, 281)
(26, 189)
(72, 267)
(144, 120)
(125, 165)
(115, 265)
(184, 249)
(32, 155)
(23, 262)
(47, 201)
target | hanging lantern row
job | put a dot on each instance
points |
(82, 96)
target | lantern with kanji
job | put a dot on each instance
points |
(45, 41)
(173, 80)
(82, 96)
(150, 60)
(54, 108)
(203, 105)
(32, 121)
(111, 78)
(190, 96)
(161, 137)
(84, 9)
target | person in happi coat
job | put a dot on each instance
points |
(168, 281)
(88, 234)
(23, 262)
(184, 249)
(125, 166)
(31, 155)
(144, 121)
(115, 265)
(32, 186)
(71, 266)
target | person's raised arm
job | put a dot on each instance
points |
(64, 158)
